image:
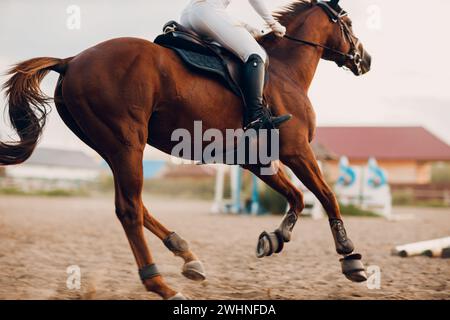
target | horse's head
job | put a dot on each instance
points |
(346, 49)
(320, 24)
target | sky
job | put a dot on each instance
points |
(408, 40)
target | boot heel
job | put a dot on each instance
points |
(278, 121)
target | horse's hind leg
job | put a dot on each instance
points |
(68, 119)
(126, 165)
(306, 168)
(273, 242)
(193, 268)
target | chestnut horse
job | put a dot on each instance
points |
(125, 93)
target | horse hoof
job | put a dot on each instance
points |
(269, 243)
(263, 247)
(194, 270)
(353, 268)
(359, 276)
(178, 296)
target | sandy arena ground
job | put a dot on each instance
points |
(41, 237)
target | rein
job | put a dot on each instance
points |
(317, 45)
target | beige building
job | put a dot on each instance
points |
(406, 153)
(49, 169)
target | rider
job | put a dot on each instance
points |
(210, 19)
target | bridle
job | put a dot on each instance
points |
(354, 55)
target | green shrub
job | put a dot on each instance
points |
(11, 191)
(105, 184)
(195, 188)
(403, 198)
(354, 211)
(406, 198)
(61, 193)
(272, 201)
(45, 193)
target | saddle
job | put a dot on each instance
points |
(202, 55)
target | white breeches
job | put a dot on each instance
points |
(210, 20)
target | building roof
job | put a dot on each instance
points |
(62, 158)
(383, 143)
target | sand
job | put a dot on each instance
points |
(41, 237)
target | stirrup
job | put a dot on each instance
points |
(268, 123)
(256, 124)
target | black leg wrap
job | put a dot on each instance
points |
(175, 243)
(148, 272)
(287, 226)
(344, 245)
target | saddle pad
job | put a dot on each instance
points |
(199, 59)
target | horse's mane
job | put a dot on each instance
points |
(286, 15)
(289, 12)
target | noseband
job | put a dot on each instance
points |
(354, 56)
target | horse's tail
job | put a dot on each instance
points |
(28, 106)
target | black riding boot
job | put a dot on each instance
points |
(257, 116)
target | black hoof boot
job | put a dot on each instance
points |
(268, 244)
(353, 268)
(344, 246)
(273, 242)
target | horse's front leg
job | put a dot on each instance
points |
(193, 268)
(306, 168)
(273, 242)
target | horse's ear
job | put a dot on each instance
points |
(334, 3)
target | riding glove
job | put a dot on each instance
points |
(278, 29)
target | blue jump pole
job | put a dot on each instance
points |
(236, 190)
(255, 207)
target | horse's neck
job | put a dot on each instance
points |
(301, 66)
(298, 60)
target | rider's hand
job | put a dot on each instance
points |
(278, 29)
(255, 32)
